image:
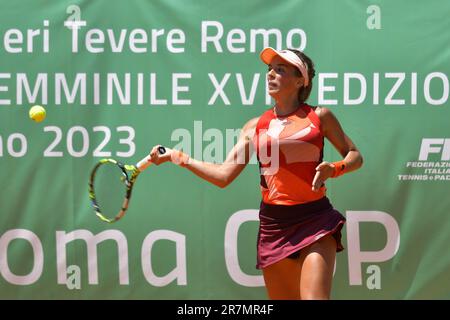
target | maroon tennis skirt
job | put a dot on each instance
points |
(284, 230)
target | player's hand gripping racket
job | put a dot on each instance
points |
(110, 186)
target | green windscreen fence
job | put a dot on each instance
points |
(117, 78)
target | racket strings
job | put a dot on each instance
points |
(111, 190)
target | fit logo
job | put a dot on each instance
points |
(435, 145)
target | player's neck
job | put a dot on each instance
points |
(286, 106)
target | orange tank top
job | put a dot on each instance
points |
(289, 148)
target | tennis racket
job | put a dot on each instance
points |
(110, 185)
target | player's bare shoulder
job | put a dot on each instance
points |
(328, 120)
(321, 111)
(325, 115)
(248, 130)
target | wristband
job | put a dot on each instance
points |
(180, 158)
(339, 168)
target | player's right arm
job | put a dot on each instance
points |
(223, 174)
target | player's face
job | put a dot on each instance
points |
(283, 79)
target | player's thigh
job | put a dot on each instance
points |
(282, 279)
(317, 266)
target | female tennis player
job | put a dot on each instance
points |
(299, 231)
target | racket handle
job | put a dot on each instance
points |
(147, 161)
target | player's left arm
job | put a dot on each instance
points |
(352, 158)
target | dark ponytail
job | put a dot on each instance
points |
(304, 92)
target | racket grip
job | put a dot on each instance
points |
(146, 162)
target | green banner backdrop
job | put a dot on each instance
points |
(119, 77)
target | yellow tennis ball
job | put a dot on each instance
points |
(37, 113)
